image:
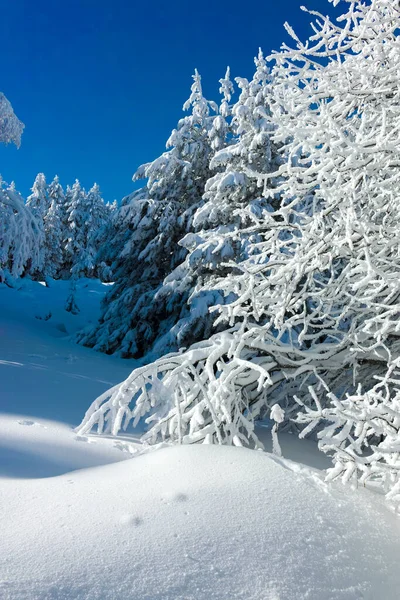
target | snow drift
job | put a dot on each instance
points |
(194, 523)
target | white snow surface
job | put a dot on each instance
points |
(82, 519)
(194, 522)
(42, 372)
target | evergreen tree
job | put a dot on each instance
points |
(21, 235)
(88, 218)
(77, 229)
(38, 203)
(228, 224)
(104, 239)
(19, 232)
(54, 230)
(11, 127)
(100, 217)
(67, 233)
(152, 221)
(70, 303)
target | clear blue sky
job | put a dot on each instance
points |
(100, 84)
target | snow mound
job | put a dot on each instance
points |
(195, 523)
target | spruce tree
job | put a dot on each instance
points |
(152, 221)
(229, 223)
(11, 127)
(21, 236)
(97, 230)
(38, 203)
(54, 230)
(76, 235)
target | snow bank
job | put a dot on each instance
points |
(195, 523)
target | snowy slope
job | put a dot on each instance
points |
(84, 519)
(196, 523)
(42, 373)
(34, 449)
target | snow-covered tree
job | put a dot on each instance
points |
(54, 230)
(362, 431)
(316, 307)
(87, 219)
(39, 204)
(98, 223)
(70, 303)
(221, 126)
(152, 221)
(73, 200)
(20, 235)
(11, 127)
(38, 201)
(77, 261)
(228, 224)
(19, 232)
(108, 243)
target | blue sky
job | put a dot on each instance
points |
(100, 84)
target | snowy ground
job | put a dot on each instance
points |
(42, 373)
(82, 519)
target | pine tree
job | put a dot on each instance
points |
(11, 127)
(106, 242)
(54, 230)
(228, 223)
(197, 399)
(70, 303)
(38, 203)
(100, 217)
(21, 235)
(67, 234)
(76, 235)
(87, 221)
(152, 221)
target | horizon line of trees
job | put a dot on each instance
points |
(55, 233)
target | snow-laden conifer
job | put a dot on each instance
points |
(74, 233)
(21, 235)
(38, 203)
(228, 224)
(152, 221)
(54, 230)
(98, 224)
(87, 219)
(11, 127)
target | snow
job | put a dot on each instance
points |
(43, 373)
(277, 414)
(49, 449)
(83, 519)
(194, 522)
